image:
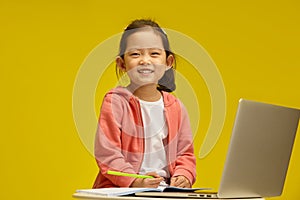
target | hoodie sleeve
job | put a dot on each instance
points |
(108, 141)
(185, 163)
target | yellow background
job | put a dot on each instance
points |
(255, 45)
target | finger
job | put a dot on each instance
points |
(173, 181)
(182, 184)
(153, 182)
(179, 181)
(185, 183)
(154, 174)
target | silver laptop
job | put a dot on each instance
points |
(258, 155)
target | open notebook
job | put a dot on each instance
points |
(122, 191)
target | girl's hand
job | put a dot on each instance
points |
(180, 181)
(148, 182)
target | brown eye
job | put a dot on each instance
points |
(134, 54)
(155, 53)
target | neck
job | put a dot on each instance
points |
(147, 92)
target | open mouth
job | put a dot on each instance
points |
(145, 71)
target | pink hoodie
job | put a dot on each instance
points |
(119, 142)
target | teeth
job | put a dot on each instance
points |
(145, 71)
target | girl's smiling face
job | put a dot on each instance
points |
(145, 59)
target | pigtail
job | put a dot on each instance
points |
(167, 82)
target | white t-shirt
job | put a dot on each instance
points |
(155, 130)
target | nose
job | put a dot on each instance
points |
(145, 60)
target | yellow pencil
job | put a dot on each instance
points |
(128, 174)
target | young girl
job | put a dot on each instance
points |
(143, 129)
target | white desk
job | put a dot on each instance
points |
(84, 196)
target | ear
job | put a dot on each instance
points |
(170, 61)
(121, 63)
